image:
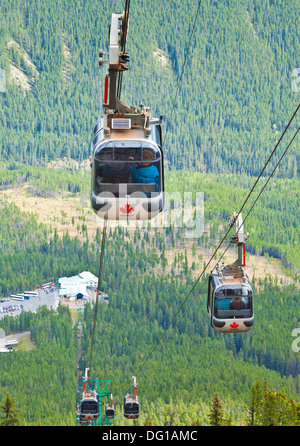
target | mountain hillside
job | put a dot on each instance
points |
(234, 99)
(233, 102)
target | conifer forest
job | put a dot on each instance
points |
(225, 76)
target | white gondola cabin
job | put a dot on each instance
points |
(89, 406)
(131, 406)
(127, 159)
(230, 296)
(230, 301)
(109, 411)
(127, 174)
(131, 403)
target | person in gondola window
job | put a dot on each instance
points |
(117, 171)
(146, 172)
(221, 301)
(238, 304)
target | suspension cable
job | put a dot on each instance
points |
(244, 219)
(98, 289)
(184, 62)
(227, 232)
(127, 6)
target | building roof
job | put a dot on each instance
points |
(74, 285)
(85, 276)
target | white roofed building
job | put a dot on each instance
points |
(89, 279)
(77, 285)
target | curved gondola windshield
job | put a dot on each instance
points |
(89, 407)
(110, 413)
(233, 301)
(131, 409)
(126, 167)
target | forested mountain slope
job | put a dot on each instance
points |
(59, 198)
(234, 100)
(188, 367)
(197, 361)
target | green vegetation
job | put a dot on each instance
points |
(273, 224)
(42, 381)
(29, 253)
(194, 358)
(196, 362)
(233, 103)
(10, 417)
(142, 306)
(234, 100)
(271, 408)
(216, 414)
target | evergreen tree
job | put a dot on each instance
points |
(216, 414)
(10, 417)
(255, 404)
(278, 410)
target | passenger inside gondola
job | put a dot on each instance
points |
(233, 302)
(146, 172)
(127, 164)
(221, 301)
(238, 304)
(117, 170)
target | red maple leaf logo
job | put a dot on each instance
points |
(234, 325)
(127, 209)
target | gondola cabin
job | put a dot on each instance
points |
(89, 406)
(131, 406)
(127, 157)
(127, 171)
(109, 411)
(230, 300)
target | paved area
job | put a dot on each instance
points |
(48, 297)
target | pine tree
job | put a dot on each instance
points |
(216, 413)
(10, 417)
(255, 407)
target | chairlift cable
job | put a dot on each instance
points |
(227, 232)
